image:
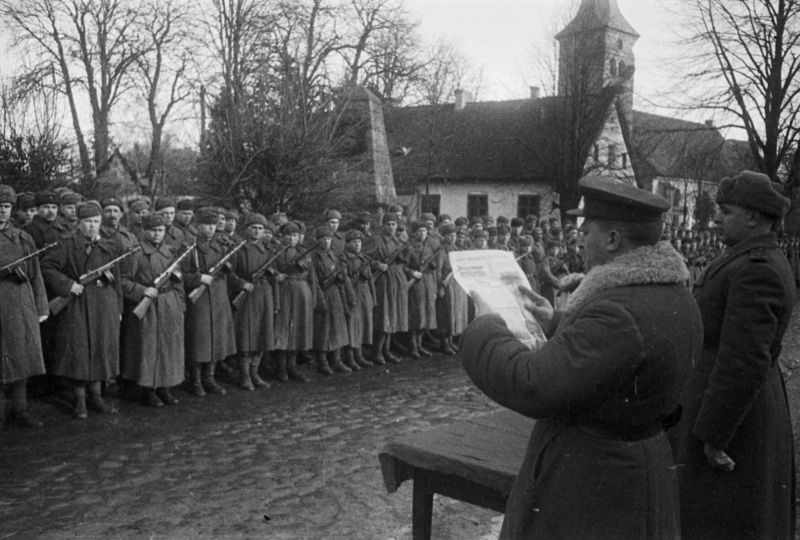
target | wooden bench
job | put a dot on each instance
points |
(474, 461)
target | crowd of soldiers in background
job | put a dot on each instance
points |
(157, 295)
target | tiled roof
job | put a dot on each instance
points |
(485, 141)
(598, 14)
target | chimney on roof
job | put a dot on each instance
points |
(710, 123)
(534, 92)
(462, 98)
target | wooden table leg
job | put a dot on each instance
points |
(422, 508)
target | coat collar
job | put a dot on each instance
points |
(762, 241)
(148, 248)
(645, 265)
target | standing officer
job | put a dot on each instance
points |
(25, 209)
(598, 463)
(184, 214)
(333, 219)
(23, 307)
(173, 236)
(734, 445)
(111, 227)
(45, 228)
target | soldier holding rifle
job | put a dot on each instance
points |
(391, 312)
(359, 318)
(451, 303)
(423, 265)
(23, 307)
(254, 303)
(210, 336)
(152, 354)
(83, 274)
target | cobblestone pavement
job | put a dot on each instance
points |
(294, 461)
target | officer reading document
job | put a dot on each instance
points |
(605, 384)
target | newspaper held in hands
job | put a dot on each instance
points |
(496, 277)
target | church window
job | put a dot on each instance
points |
(596, 153)
(624, 161)
(477, 205)
(613, 65)
(612, 155)
(621, 68)
(619, 44)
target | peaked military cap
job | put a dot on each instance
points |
(613, 200)
(25, 200)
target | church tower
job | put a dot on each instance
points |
(596, 51)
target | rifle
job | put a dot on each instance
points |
(144, 304)
(15, 265)
(296, 260)
(422, 265)
(60, 302)
(195, 295)
(258, 274)
(330, 279)
(388, 259)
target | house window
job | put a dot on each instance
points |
(477, 206)
(613, 66)
(528, 205)
(619, 44)
(612, 155)
(430, 204)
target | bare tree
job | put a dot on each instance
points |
(746, 61)
(89, 45)
(444, 71)
(163, 74)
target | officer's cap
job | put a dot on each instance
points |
(26, 200)
(69, 197)
(613, 200)
(754, 191)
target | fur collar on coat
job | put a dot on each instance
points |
(644, 265)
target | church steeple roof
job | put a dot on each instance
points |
(598, 14)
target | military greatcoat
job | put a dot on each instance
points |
(391, 292)
(153, 348)
(209, 324)
(425, 258)
(45, 232)
(254, 320)
(86, 334)
(294, 322)
(359, 318)
(336, 298)
(598, 464)
(22, 301)
(452, 306)
(735, 400)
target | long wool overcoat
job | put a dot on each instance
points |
(391, 292)
(22, 301)
(598, 464)
(451, 308)
(209, 322)
(46, 232)
(425, 258)
(153, 348)
(294, 323)
(254, 321)
(735, 400)
(360, 316)
(86, 331)
(336, 299)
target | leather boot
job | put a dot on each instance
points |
(209, 381)
(446, 348)
(3, 403)
(291, 367)
(387, 351)
(349, 359)
(151, 399)
(96, 401)
(423, 352)
(283, 376)
(166, 396)
(377, 350)
(322, 364)
(245, 383)
(414, 353)
(359, 358)
(451, 341)
(195, 385)
(256, 379)
(79, 410)
(336, 363)
(19, 405)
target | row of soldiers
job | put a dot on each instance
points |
(133, 303)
